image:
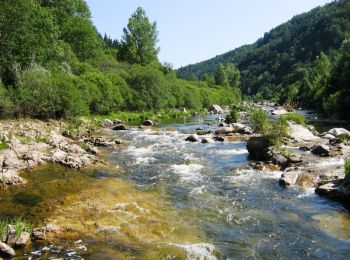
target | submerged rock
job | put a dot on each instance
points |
(6, 250)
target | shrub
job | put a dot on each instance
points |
(347, 168)
(233, 116)
(295, 117)
(259, 121)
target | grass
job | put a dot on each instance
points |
(295, 117)
(3, 145)
(18, 224)
(138, 117)
(347, 167)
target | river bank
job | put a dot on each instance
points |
(157, 195)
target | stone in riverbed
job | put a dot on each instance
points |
(107, 123)
(207, 141)
(339, 131)
(219, 138)
(52, 228)
(148, 123)
(39, 234)
(300, 133)
(335, 191)
(258, 148)
(224, 130)
(23, 239)
(193, 138)
(322, 150)
(120, 128)
(6, 250)
(289, 178)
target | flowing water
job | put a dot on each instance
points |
(171, 199)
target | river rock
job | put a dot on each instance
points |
(52, 228)
(207, 140)
(38, 234)
(120, 127)
(224, 130)
(219, 138)
(193, 138)
(339, 131)
(258, 148)
(322, 150)
(107, 123)
(278, 112)
(300, 133)
(148, 123)
(216, 109)
(295, 158)
(23, 239)
(289, 178)
(335, 191)
(6, 250)
(117, 122)
(329, 136)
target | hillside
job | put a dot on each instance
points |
(276, 64)
(54, 64)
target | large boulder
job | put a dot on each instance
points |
(207, 140)
(258, 148)
(216, 109)
(6, 250)
(321, 150)
(339, 131)
(300, 133)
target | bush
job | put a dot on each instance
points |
(347, 168)
(259, 121)
(233, 116)
(295, 117)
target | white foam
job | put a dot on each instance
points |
(333, 162)
(188, 172)
(198, 191)
(233, 151)
(201, 251)
(307, 193)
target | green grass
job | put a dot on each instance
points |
(3, 146)
(295, 117)
(18, 223)
(347, 167)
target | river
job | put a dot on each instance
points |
(170, 199)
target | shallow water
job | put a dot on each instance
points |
(170, 199)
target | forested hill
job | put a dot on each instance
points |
(54, 63)
(286, 64)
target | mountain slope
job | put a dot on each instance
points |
(273, 62)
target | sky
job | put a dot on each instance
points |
(191, 31)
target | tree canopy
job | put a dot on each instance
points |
(138, 43)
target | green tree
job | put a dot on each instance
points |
(28, 34)
(138, 44)
(233, 75)
(221, 76)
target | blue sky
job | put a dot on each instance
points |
(194, 30)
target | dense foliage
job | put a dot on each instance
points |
(53, 64)
(302, 62)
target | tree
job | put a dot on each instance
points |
(221, 76)
(233, 75)
(138, 44)
(28, 34)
